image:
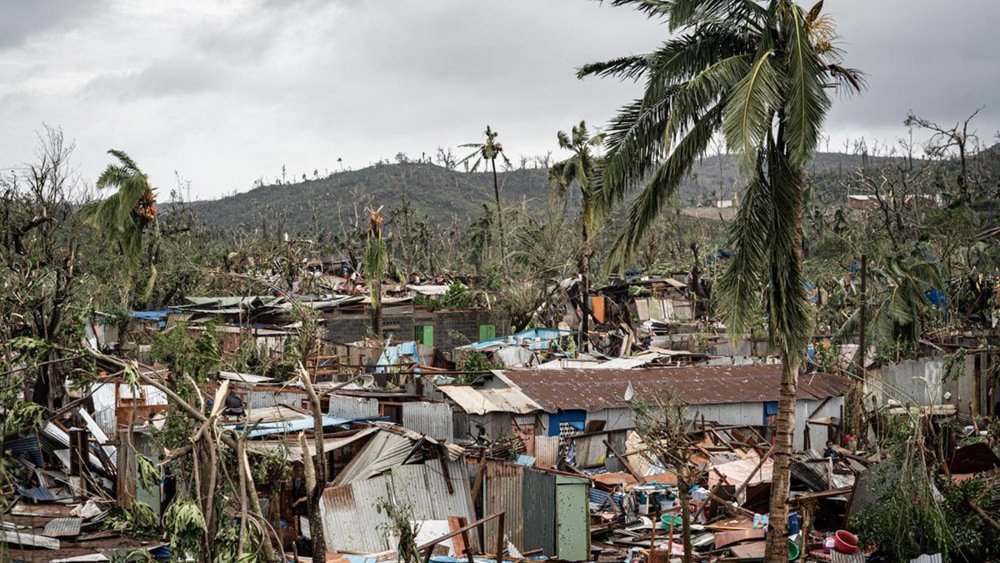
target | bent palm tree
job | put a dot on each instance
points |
(487, 153)
(581, 169)
(758, 73)
(126, 214)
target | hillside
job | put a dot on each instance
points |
(444, 194)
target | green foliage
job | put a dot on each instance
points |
(148, 473)
(473, 362)
(399, 527)
(22, 415)
(138, 521)
(186, 528)
(184, 354)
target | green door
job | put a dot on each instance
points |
(572, 518)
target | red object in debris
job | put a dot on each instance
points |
(845, 542)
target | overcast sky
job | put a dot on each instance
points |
(226, 92)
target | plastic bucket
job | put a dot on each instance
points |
(845, 542)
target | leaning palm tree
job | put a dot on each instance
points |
(126, 214)
(486, 154)
(581, 169)
(759, 74)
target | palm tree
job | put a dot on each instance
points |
(758, 73)
(896, 312)
(581, 169)
(486, 153)
(126, 214)
(376, 265)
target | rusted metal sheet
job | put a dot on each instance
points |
(597, 389)
(351, 519)
(433, 419)
(353, 407)
(504, 492)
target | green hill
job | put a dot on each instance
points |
(444, 194)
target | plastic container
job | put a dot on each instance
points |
(794, 523)
(845, 542)
(793, 551)
(666, 519)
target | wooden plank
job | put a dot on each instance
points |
(722, 539)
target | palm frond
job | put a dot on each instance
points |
(807, 102)
(662, 185)
(633, 145)
(750, 109)
(626, 68)
(788, 307)
(749, 239)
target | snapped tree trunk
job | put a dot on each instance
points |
(585, 292)
(496, 195)
(377, 310)
(684, 495)
(317, 483)
(777, 542)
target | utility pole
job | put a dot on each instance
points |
(857, 419)
(862, 340)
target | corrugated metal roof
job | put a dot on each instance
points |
(596, 389)
(351, 519)
(433, 419)
(384, 451)
(475, 400)
(63, 527)
(353, 407)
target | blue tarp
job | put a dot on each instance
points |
(537, 339)
(159, 316)
(288, 426)
(390, 357)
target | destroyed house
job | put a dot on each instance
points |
(570, 401)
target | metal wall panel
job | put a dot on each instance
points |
(265, 399)
(350, 517)
(353, 407)
(503, 491)
(572, 519)
(433, 419)
(539, 498)
(424, 488)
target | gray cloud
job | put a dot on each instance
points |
(225, 92)
(22, 20)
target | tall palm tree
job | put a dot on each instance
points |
(759, 74)
(126, 214)
(581, 169)
(487, 153)
(376, 266)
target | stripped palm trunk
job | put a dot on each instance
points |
(777, 543)
(585, 282)
(791, 358)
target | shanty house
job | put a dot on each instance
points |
(564, 402)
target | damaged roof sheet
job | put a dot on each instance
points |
(596, 389)
(474, 400)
